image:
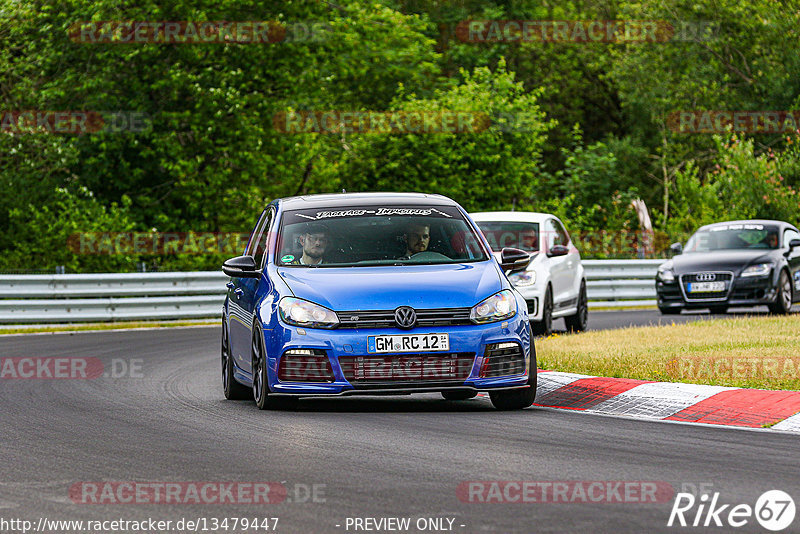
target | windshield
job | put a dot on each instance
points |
(376, 235)
(734, 237)
(502, 234)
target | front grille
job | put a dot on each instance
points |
(407, 368)
(690, 278)
(385, 318)
(503, 359)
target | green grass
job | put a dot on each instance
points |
(752, 352)
(103, 326)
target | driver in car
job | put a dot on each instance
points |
(314, 241)
(416, 237)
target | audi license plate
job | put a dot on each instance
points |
(408, 343)
(706, 287)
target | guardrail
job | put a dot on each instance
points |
(619, 283)
(67, 298)
(61, 298)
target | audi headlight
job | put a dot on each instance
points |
(524, 278)
(499, 306)
(299, 312)
(761, 269)
(666, 275)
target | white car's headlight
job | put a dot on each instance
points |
(499, 306)
(299, 312)
(762, 269)
(524, 278)
(666, 275)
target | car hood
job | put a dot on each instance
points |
(719, 260)
(387, 287)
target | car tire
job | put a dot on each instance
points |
(261, 395)
(578, 322)
(669, 311)
(545, 326)
(457, 395)
(232, 389)
(718, 310)
(783, 300)
(518, 399)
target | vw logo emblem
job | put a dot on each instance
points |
(405, 317)
(705, 277)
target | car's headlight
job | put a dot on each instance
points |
(524, 278)
(300, 312)
(499, 306)
(666, 275)
(762, 269)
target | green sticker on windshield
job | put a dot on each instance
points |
(287, 258)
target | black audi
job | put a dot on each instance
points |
(735, 263)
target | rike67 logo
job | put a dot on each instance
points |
(774, 510)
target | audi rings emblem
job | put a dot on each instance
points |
(705, 277)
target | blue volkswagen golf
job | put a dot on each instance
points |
(374, 294)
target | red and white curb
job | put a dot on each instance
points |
(670, 401)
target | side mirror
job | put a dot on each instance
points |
(241, 267)
(676, 248)
(794, 243)
(514, 259)
(557, 250)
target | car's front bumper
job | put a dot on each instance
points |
(352, 343)
(745, 292)
(533, 295)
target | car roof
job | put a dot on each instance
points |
(511, 216)
(746, 221)
(345, 200)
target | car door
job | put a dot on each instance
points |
(793, 258)
(242, 292)
(573, 270)
(559, 268)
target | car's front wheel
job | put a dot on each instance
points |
(232, 389)
(517, 399)
(783, 300)
(578, 322)
(260, 378)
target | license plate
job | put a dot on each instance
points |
(706, 287)
(408, 343)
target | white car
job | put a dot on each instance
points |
(553, 283)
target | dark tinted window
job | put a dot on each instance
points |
(379, 235)
(502, 234)
(733, 237)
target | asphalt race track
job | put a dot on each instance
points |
(604, 320)
(404, 457)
